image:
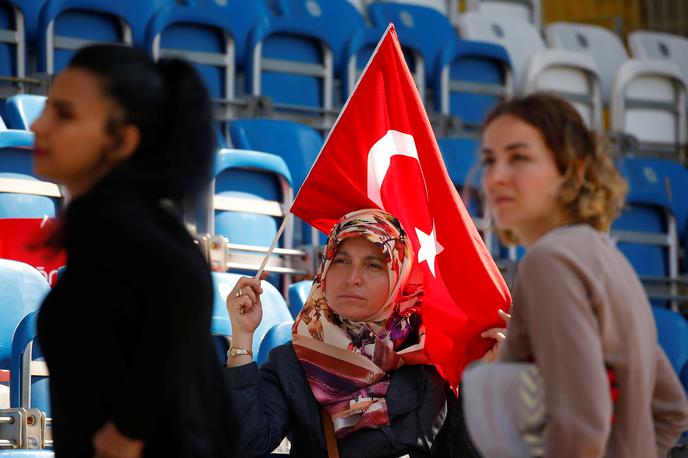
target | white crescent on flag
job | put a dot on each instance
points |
(395, 143)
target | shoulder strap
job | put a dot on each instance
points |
(330, 439)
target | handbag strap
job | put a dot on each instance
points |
(330, 439)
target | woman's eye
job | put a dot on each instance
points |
(338, 261)
(63, 114)
(375, 266)
(485, 161)
(519, 157)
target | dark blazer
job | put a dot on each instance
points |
(277, 400)
(126, 331)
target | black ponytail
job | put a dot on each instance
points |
(169, 104)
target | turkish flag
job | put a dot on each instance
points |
(382, 153)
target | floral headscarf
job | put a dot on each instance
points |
(348, 363)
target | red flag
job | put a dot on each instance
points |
(382, 153)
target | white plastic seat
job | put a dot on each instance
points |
(645, 44)
(571, 75)
(649, 102)
(606, 49)
(523, 10)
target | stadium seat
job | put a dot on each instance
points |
(13, 46)
(646, 229)
(276, 335)
(30, 9)
(448, 8)
(672, 331)
(298, 293)
(360, 48)
(646, 44)
(298, 145)
(199, 35)
(573, 76)
(291, 61)
(251, 192)
(21, 194)
(29, 382)
(22, 288)
(67, 25)
(415, 21)
(22, 110)
(472, 77)
(340, 20)
(522, 10)
(26, 454)
(648, 103)
(275, 310)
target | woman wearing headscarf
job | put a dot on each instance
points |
(355, 370)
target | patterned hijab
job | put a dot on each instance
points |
(348, 363)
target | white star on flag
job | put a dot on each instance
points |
(429, 248)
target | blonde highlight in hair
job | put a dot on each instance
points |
(593, 192)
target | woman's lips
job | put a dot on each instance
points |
(352, 296)
(39, 151)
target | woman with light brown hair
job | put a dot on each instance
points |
(580, 313)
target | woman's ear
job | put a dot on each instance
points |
(128, 140)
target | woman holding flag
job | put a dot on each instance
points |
(580, 312)
(355, 381)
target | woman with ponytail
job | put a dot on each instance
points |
(125, 333)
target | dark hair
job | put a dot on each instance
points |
(599, 196)
(169, 104)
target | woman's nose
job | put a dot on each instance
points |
(356, 276)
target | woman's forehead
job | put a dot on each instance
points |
(359, 246)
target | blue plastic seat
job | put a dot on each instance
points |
(431, 28)
(26, 454)
(297, 144)
(22, 110)
(275, 310)
(340, 21)
(66, 25)
(298, 294)
(291, 61)
(28, 389)
(277, 335)
(361, 46)
(672, 331)
(22, 195)
(22, 289)
(646, 229)
(471, 78)
(13, 23)
(199, 34)
(252, 191)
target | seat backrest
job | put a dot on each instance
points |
(672, 331)
(276, 335)
(298, 293)
(527, 11)
(646, 44)
(67, 25)
(605, 47)
(446, 7)
(22, 195)
(339, 19)
(646, 229)
(251, 192)
(417, 20)
(297, 144)
(22, 110)
(649, 102)
(473, 77)
(22, 289)
(291, 61)
(275, 310)
(199, 35)
(12, 46)
(521, 39)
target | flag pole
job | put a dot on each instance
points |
(286, 219)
